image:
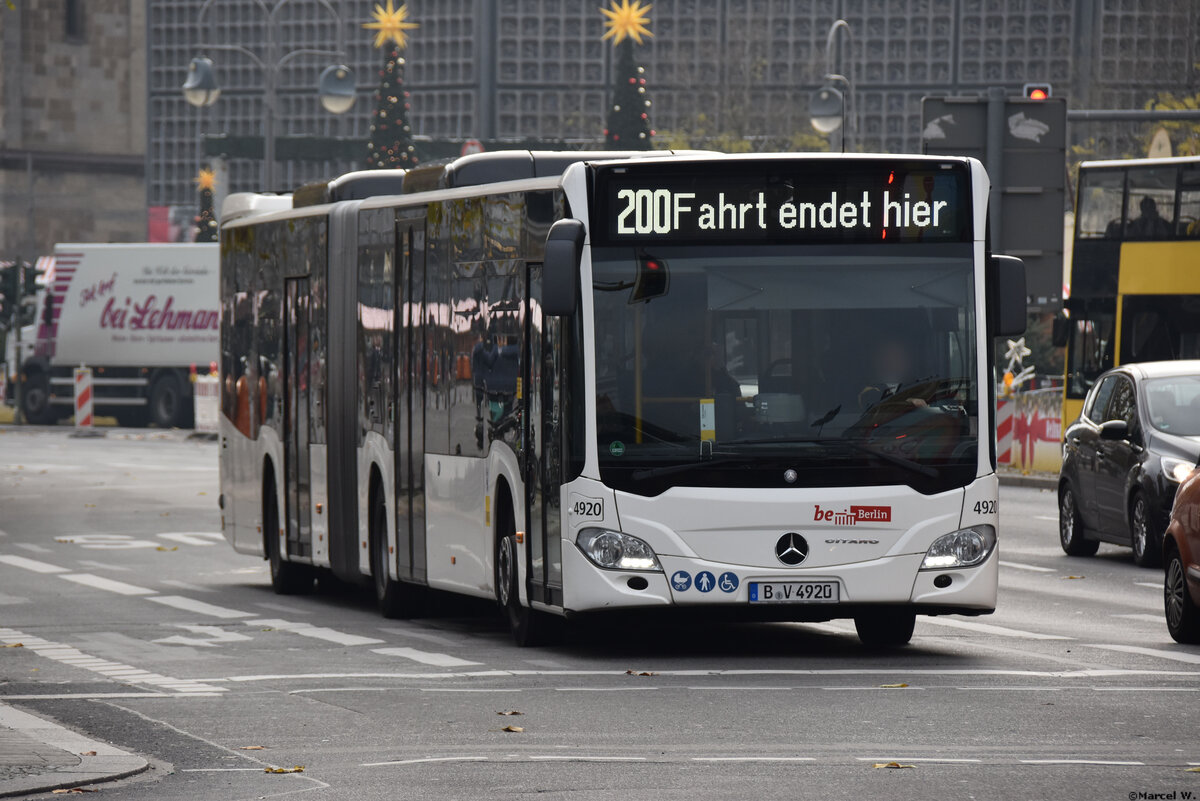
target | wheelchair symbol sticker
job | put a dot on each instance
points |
(728, 582)
(681, 580)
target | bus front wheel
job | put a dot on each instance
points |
(397, 600)
(886, 628)
(529, 627)
(287, 578)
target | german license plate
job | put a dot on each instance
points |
(793, 592)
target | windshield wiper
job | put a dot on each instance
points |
(895, 459)
(666, 470)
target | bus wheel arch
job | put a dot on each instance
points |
(529, 626)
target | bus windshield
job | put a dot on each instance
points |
(834, 366)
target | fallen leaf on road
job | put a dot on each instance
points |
(62, 791)
(165, 548)
(643, 673)
(513, 729)
(892, 765)
(510, 712)
(164, 514)
(1073, 577)
(892, 686)
(89, 506)
(1191, 770)
(296, 769)
(15, 645)
(252, 748)
(87, 753)
(201, 493)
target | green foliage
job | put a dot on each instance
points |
(1185, 134)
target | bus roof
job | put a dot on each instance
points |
(1120, 163)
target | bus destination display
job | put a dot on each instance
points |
(875, 205)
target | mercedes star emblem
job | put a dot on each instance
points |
(792, 549)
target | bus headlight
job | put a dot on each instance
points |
(963, 548)
(615, 550)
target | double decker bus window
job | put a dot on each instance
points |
(1100, 204)
(1188, 224)
(1150, 209)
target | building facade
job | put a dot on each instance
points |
(72, 124)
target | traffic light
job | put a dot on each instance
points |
(1037, 91)
(653, 278)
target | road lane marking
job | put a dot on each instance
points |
(1023, 566)
(29, 546)
(315, 632)
(425, 657)
(1149, 584)
(581, 758)
(110, 585)
(916, 759)
(421, 635)
(114, 671)
(200, 607)
(102, 566)
(987, 628)
(291, 610)
(425, 761)
(32, 564)
(1081, 762)
(1142, 616)
(754, 759)
(202, 538)
(210, 636)
(183, 585)
(1178, 656)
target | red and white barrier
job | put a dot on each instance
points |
(83, 397)
(1004, 430)
(206, 392)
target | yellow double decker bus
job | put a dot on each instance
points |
(1134, 287)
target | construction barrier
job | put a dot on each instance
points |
(83, 397)
(1004, 430)
(206, 392)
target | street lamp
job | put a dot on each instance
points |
(828, 105)
(335, 87)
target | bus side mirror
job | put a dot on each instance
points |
(1006, 280)
(1060, 330)
(560, 267)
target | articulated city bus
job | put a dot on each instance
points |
(1134, 286)
(746, 386)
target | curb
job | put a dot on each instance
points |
(109, 763)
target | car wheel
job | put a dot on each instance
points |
(1147, 551)
(1070, 526)
(1183, 617)
(886, 628)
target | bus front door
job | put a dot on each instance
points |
(296, 417)
(541, 446)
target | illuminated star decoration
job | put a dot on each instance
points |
(391, 23)
(205, 179)
(626, 20)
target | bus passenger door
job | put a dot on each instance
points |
(541, 446)
(296, 417)
(409, 388)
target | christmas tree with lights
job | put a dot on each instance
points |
(390, 142)
(206, 220)
(628, 125)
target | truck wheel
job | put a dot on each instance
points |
(35, 400)
(166, 401)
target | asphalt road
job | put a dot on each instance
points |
(140, 627)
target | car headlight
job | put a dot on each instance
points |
(963, 548)
(615, 550)
(1177, 470)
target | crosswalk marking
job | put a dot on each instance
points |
(101, 583)
(425, 657)
(200, 607)
(316, 632)
(32, 564)
(987, 628)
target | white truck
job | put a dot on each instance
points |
(141, 315)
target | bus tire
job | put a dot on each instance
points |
(529, 627)
(35, 400)
(287, 578)
(886, 628)
(397, 600)
(1147, 549)
(1183, 616)
(1070, 526)
(166, 401)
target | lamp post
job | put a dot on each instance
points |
(828, 105)
(336, 85)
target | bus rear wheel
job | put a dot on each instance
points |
(886, 628)
(397, 600)
(529, 627)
